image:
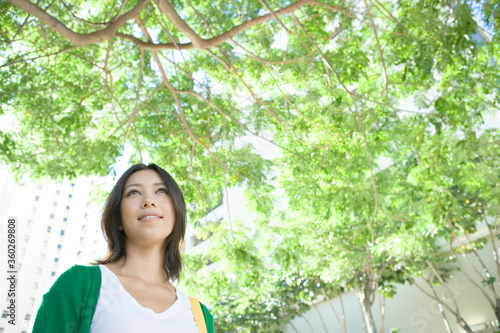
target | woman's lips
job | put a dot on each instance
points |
(149, 217)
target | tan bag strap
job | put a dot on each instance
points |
(199, 318)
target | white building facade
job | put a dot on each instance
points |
(57, 227)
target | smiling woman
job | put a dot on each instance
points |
(130, 290)
(147, 210)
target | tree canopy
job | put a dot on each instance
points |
(376, 112)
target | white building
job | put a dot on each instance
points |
(57, 227)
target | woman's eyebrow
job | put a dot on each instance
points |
(139, 185)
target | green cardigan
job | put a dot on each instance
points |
(69, 305)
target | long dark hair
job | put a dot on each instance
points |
(116, 238)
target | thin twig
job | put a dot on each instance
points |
(342, 327)
(381, 54)
(274, 15)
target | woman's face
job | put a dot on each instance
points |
(147, 212)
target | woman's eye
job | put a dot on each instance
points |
(132, 192)
(162, 190)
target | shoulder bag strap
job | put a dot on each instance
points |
(198, 314)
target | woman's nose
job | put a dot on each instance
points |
(148, 201)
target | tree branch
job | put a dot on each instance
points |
(384, 71)
(196, 41)
(274, 15)
(77, 38)
(251, 55)
(169, 11)
(260, 102)
(21, 27)
(392, 16)
(201, 18)
(79, 19)
(471, 281)
(358, 120)
(342, 327)
(245, 127)
(178, 104)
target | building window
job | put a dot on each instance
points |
(72, 184)
(67, 207)
(4, 314)
(65, 219)
(56, 259)
(51, 216)
(62, 232)
(58, 246)
(54, 204)
(37, 198)
(57, 192)
(49, 228)
(28, 317)
(70, 196)
(52, 273)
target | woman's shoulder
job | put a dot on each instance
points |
(79, 275)
(80, 270)
(70, 301)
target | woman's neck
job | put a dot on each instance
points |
(146, 264)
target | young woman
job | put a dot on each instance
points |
(130, 290)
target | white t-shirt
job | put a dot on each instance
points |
(117, 311)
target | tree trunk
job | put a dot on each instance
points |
(366, 305)
(291, 324)
(441, 309)
(366, 309)
(455, 312)
(497, 311)
(321, 318)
